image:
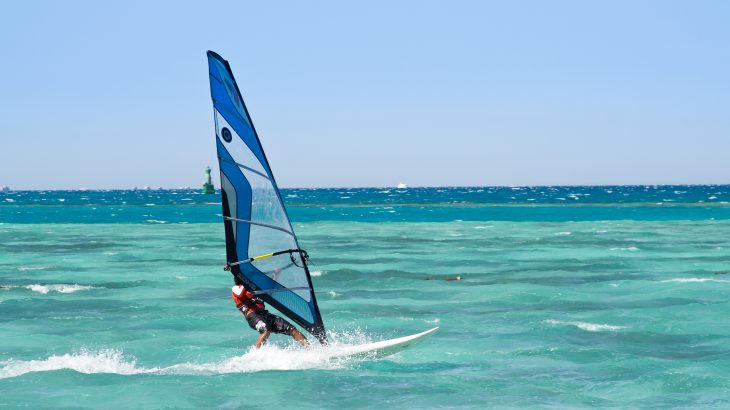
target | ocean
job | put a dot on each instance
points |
(570, 297)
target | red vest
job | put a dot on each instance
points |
(245, 300)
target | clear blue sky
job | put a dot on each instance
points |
(115, 94)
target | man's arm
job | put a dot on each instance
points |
(262, 339)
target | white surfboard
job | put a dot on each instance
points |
(384, 347)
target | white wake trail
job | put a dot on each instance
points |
(88, 362)
(270, 357)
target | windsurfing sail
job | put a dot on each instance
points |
(261, 248)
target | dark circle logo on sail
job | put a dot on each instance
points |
(226, 134)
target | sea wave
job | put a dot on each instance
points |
(44, 289)
(589, 327)
(685, 280)
(60, 288)
(628, 249)
(27, 268)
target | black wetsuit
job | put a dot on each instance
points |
(270, 322)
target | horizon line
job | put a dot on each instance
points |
(160, 188)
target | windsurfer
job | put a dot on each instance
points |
(260, 319)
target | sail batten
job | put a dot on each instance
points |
(260, 224)
(255, 219)
(244, 167)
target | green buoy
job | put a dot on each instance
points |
(208, 187)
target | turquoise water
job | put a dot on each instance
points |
(603, 302)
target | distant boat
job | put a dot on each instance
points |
(4, 188)
(402, 186)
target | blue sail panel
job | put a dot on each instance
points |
(255, 219)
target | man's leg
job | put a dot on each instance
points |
(299, 337)
(279, 325)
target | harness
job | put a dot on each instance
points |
(250, 303)
(244, 303)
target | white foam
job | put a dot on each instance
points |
(685, 280)
(103, 361)
(563, 233)
(590, 327)
(629, 249)
(60, 288)
(269, 357)
(333, 294)
(266, 358)
(27, 268)
(156, 221)
(316, 273)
